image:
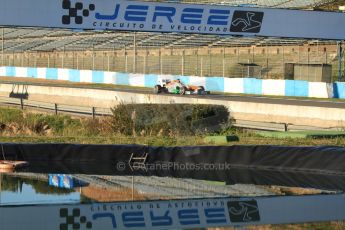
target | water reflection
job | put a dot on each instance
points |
(233, 175)
(28, 188)
(33, 189)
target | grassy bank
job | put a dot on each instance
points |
(25, 126)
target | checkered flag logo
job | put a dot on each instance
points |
(74, 221)
(76, 12)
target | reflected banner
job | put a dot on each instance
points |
(176, 214)
(171, 17)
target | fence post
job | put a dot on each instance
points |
(77, 61)
(73, 67)
(238, 54)
(22, 59)
(62, 58)
(93, 58)
(103, 63)
(114, 61)
(126, 59)
(283, 64)
(145, 57)
(172, 64)
(224, 62)
(253, 55)
(182, 69)
(126, 63)
(308, 61)
(201, 66)
(56, 108)
(160, 62)
(197, 63)
(93, 112)
(108, 62)
(286, 127)
(209, 63)
(340, 57)
(317, 52)
(48, 60)
(267, 53)
(83, 60)
(21, 103)
(35, 60)
(55, 59)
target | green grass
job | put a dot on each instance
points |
(65, 129)
(10, 115)
(220, 139)
(302, 134)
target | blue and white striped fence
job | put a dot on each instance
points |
(227, 85)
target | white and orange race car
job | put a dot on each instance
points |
(177, 87)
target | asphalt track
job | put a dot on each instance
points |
(214, 96)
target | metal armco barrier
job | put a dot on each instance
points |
(56, 108)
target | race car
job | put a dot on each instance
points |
(177, 87)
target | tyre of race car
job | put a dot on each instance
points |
(157, 89)
(183, 90)
(201, 90)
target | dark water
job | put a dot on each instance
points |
(16, 190)
(233, 175)
(106, 172)
(37, 188)
(30, 188)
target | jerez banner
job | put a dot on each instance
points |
(168, 17)
(176, 214)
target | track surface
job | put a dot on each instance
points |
(214, 96)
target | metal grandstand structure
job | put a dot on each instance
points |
(168, 53)
(25, 39)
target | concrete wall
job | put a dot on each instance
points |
(218, 84)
